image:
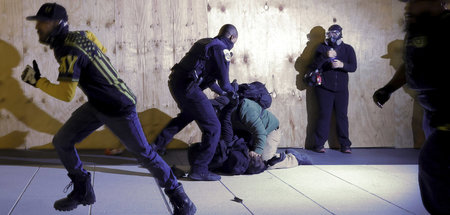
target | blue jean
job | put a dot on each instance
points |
(194, 105)
(86, 119)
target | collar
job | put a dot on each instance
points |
(226, 41)
(58, 35)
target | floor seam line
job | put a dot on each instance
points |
(23, 191)
(163, 196)
(373, 194)
(93, 187)
(242, 203)
(298, 191)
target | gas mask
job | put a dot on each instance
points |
(334, 34)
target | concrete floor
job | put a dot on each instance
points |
(30, 183)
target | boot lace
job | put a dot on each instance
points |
(68, 187)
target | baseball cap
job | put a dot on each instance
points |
(50, 11)
(394, 48)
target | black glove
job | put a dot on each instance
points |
(234, 95)
(235, 85)
(31, 75)
(381, 96)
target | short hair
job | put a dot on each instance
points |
(228, 30)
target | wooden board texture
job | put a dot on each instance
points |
(276, 41)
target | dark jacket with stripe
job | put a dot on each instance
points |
(81, 60)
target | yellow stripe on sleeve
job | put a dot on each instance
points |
(64, 91)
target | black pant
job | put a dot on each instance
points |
(329, 101)
(194, 105)
(434, 171)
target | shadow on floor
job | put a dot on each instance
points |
(360, 156)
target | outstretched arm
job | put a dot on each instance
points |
(222, 63)
(383, 94)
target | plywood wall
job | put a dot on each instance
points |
(145, 38)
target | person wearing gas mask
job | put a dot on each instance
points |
(427, 72)
(206, 63)
(83, 63)
(336, 59)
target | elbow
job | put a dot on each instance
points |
(276, 122)
(350, 68)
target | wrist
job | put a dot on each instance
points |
(39, 82)
(388, 89)
(258, 150)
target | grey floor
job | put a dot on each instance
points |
(369, 181)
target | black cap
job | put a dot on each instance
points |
(50, 11)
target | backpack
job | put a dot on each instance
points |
(257, 92)
(313, 78)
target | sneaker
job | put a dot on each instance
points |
(204, 176)
(346, 150)
(319, 150)
(302, 159)
(114, 151)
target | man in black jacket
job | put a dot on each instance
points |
(336, 59)
(206, 65)
(426, 71)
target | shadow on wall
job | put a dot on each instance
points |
(152, 120)
(315, 37)
(395, 56)
(13, 100)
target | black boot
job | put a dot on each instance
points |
(181, 203)
(82, 193)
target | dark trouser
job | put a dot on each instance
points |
(128, 129)
(329, 101)
(194, 105)
(434, 171)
